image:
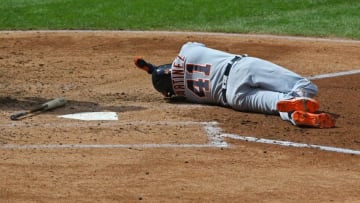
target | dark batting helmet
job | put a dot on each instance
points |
(161, 79)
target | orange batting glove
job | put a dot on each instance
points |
(142, 64)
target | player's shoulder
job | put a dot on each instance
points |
(193, 44)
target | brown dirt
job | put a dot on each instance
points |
(95, 72)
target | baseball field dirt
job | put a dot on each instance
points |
(161, 151)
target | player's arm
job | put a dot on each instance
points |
(142, 64)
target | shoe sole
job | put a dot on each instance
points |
(298, 104)
(322, 120)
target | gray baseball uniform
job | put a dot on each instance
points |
(253, 84)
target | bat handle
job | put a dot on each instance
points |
(17, 115)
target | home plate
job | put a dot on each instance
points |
(92, 116)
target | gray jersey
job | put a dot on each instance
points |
(253, 85)
(197, 73)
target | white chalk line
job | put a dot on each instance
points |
(215, 137)
(291, 144)
(76, 124)
(103, 146)
(331, 75)
(213, 133)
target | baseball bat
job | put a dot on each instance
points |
(44, 107)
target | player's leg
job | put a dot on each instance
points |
(263, 101)
(255, 100)
(269, 76)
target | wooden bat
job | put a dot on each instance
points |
(44, 107)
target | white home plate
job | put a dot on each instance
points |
(92, 116)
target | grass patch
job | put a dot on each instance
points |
(325, 18)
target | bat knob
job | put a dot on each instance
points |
(14, 117)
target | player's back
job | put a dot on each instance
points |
(203, 68)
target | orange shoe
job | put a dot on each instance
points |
(322, 120)
(298, 104)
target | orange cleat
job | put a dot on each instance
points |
(298, 104)
(322, 120)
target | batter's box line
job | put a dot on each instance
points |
(214, 133)
(212, 130)
(291, 144)
(332, 75)
(217, 139)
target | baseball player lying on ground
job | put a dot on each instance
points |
(208, 76)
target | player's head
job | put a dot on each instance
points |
(161, 79)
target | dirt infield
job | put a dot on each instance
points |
(159, 151)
